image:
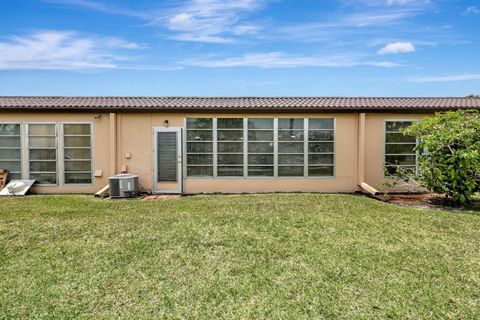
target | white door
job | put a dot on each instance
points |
(167, 160)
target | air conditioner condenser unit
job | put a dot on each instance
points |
(123, 186)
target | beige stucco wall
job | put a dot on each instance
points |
(375, 144)
(134, 135)
(101, 143)
(135, 138)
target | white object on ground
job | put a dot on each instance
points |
(17, 188)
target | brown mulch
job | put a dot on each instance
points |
(427, 201)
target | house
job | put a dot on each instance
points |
(203, 145)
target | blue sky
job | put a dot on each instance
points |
(240, 47)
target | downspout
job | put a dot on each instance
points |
(113, 143)
(365, 187)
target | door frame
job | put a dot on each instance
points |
(177, 130)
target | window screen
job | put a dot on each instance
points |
(399, 148)
(11, 150)
(77, 153)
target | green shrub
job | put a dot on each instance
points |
(449, 145)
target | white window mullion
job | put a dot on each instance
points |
(24, 151)
(215, 153)
(245, 147)
(305, 147)
(275, 147)
(60, 155)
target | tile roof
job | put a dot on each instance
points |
(223, 104)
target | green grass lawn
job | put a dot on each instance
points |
(251, 256)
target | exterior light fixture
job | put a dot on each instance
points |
(165, 123)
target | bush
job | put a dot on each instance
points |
(449, 145)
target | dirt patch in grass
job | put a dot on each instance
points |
(427, 201)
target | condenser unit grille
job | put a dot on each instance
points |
(114, 188)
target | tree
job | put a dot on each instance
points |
(449, 161)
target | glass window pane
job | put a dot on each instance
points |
(401, 160)
(226, 147)
(257, 171)
(41, 129)
(42, 142)
(396, 126)
(10, 154)
(77, 142)
(318, 171)
(76, 129)
(400, 148)
(315, 123)
(296, 123)
(230, 159)
(321, 135)
(40, 154)
(8, 142)
(230, 135)
(44, 178)
(43, 166)
(260, 158)
(290, 147)
(199, 123)
(406, 169)
(260, 147)
(199, 135)
(78, 178)
(230, 123)
(230, 171)
(260, 123)
(289, 135)
(200, 147)
(199, 159)
(77, 166)
(260, 135)
(77, 154)
(14, 176)
(320, 147)
(399, 137)
(206, 171)
(9, 129)
(320, 159)
(290, 159)
(290, 171)
(10, 165)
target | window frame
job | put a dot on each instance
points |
(60, 172)
(384, 155)
(57, 155)
(21, 148)
(92, 171)
(275, 147)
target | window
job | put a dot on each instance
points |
(199, 147)
(77, 154)
(230, 147)
(399, 148)
(291, 137)
(42, 150)
(321, 147)
(11, 150)
(260, 147)
(54, 153)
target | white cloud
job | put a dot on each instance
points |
(60, 50)
(447, 78)
(471, 10)
(283, 60)
(397, 47)
(211, 20)
(101, 7)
